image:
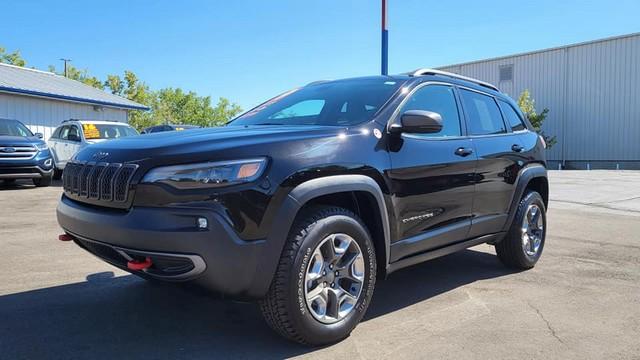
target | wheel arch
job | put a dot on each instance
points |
(531, 177)
(358, 193)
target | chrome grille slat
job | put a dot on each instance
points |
(102, 182)
(8, 152)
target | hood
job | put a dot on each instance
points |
(19, 140)
(199, 141)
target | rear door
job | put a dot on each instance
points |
(432, 176)
(499, 160)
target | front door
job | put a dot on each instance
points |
(432, 176)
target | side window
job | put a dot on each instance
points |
(56, 133)
(301, 109)
(483, 113)
(73, 134)
(439, 99)
(64, 132)
(511, 116)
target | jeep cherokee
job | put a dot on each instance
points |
(307, 199)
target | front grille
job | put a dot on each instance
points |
(17, 152)
(109, 182)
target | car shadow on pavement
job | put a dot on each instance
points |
(126, 317)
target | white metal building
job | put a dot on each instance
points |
(592, 91)
(42, 100)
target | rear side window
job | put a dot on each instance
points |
(512, 117)
(483, 113)
(439, 99)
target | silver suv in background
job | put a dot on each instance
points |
(74, 135)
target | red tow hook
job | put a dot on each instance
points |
(65, 237)
(139, 265)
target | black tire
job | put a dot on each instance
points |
(284, 307)
(510, 250)
(43, 181)
(57, 174)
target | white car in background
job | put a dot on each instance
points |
(74, 135)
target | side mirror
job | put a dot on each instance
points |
(39, 135)
(418, 122)
(73, 137)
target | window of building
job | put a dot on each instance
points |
(506, 72)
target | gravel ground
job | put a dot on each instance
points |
(582, 301)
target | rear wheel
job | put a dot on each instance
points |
(523, 244)
(325, 278)
(43, 181)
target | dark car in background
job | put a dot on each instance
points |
(168, 127)
(23, 154)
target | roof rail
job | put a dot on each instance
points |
(426, 71)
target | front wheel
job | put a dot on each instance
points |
(522, 246)
(325, 278)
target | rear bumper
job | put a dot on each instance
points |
(215, 258)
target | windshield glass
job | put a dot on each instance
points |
(107, 131)
(335, 103)
(13, 128)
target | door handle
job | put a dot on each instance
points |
(462, 151)
(516, 147)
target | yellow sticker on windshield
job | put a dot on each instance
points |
(91, 131)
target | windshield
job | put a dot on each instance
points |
(107, 131)
(335, 103)
(13, 128)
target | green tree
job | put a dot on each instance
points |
(528, 106)
(13, 58)
(115, 84)
(174, 106)
(79, 75)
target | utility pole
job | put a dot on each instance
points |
(385, 40)
(65, 65)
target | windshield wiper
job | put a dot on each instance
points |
(267, 123)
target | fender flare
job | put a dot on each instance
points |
(292, 204)
(524, 177)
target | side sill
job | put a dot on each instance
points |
(446, 250)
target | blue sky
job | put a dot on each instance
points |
(248, 51)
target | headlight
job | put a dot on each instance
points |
(42, 147)
(207, 175)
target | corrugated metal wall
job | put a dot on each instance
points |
(44, 115)
(592, 91)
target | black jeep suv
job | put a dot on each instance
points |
(304, 201)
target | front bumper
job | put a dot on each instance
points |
(38, 167)
(23, 172)
(215, 258)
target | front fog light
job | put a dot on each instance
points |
(202, 223)
(48, 162)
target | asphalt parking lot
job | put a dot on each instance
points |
(582, 300)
